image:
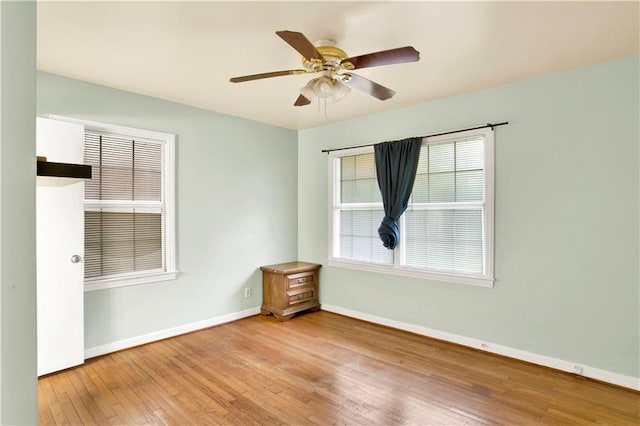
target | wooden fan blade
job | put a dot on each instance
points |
(369, 87)
(385, 57)
(302, 101)
(301, 43)
(266, 75)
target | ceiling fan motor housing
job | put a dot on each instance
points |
(332, 58)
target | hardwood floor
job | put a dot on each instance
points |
(322, 368)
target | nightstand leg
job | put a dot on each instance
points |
(283, 318)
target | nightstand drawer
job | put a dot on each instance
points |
(296, 280)
(302, 295)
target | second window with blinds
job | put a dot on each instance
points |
(129, 231)
(446, 233)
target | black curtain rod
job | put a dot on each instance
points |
(492, 125)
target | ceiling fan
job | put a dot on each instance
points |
(334, 66)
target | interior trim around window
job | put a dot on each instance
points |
(129, 280)
(485, 280)
(170, 271)
(413, 273)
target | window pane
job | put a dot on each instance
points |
(116, 169)
(415, 243)
(441, 158)
(117, 243)
(359, 237)
(148, 241)
(468, 234)
(147, 171)
(365, 166)
(450, 172)
(358, 182)
(442, 187)
(470, 154)
(366, 191)
(420, 192)
(470, 185)
(348, 168)
(123, 169)
(348, 191)
(92, 158)
(445, 240)
(423, 160)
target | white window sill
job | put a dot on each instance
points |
(414, 273)
(114, 282)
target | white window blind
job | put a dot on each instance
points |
(443, 223)
(124, 206)
(361, 211)
(447, 228)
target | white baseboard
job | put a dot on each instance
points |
(558, 364)
(170, 332)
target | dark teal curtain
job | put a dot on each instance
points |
(396, 166)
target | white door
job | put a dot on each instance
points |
(60, 250)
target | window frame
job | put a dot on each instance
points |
(170, 271)
(397, 268)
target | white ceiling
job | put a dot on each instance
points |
(187, 51)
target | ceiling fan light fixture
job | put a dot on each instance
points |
(327, 88)
(307, 90)
(339, 90)
(323, 87)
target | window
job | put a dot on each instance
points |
(129, 206)
(446, 233)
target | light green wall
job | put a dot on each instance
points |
(567, 192)
(566, 228)
(17, 218)
(236, 195)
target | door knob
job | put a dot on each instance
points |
(75, 258)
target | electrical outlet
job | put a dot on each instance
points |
(247, 292)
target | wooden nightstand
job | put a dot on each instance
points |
(288, 288)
